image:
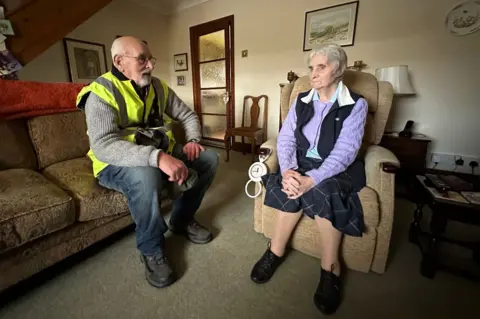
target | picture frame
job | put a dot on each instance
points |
(6, 27)
(86, 61)
(180, 62)
(181, 80)
(334, 24)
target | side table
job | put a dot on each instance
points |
(411, 153)
(444, 208)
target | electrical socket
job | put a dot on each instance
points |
(447, 162)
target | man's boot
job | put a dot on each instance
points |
(158, 271)
(195, 232)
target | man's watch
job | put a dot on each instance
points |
(194, 140)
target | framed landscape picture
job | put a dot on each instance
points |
(334, 24)
(86, 61)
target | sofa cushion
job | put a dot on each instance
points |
(16, 149)
(30, 207)
(91, 200)
(59, 137)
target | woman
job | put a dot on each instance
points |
(319, 173)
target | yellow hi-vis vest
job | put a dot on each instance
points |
(122, 97)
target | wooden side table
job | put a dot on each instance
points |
(410, 151)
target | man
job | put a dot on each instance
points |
(116, 104)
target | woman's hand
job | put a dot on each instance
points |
(290, 183)
(306, 183)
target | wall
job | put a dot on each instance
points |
(120, 17)
(389, 32)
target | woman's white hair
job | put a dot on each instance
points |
(335, 54)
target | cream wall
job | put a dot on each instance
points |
(120, 17)
(389, 32)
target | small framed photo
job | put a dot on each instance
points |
(86, 61)
(181, 80)
(335, 24)
(6, 27)
(180, 62)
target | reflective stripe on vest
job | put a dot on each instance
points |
(132, 111)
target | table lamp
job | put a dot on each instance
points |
(399, 78)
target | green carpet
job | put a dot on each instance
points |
(215, 281)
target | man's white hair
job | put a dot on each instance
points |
(117, 48)
(335, 54)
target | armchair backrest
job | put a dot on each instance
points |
(379, 95)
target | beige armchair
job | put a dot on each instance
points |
(369, 252)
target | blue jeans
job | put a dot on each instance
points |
(142, 187)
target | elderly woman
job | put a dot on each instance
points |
(319, 172)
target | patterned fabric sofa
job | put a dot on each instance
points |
(369, 252)
(51, 206)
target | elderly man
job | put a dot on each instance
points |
(117, 105)
(319, 171)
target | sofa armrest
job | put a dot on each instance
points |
(272, 161)
(380, 166)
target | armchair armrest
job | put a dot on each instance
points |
(380, 166)
(272, 161)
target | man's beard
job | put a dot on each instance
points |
(145, 80)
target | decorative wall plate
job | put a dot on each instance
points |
(464, 18)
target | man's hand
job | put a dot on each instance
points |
(290, 183)
(192, 150)
(306, 184)
(174, 168)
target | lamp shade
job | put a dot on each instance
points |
(398, 76)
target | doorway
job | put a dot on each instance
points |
(213, 73)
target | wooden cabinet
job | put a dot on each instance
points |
(411, 152)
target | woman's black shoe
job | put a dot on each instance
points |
(327, 297)
(265, 267)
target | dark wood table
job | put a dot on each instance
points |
(443, 210)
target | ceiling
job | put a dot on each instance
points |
(168, 7)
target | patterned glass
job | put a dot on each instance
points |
(212, 74)
(214, 126)
(212, 46)
(212, 101)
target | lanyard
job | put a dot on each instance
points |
(257, 170)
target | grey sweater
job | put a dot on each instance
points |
(109, 147)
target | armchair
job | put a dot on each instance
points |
(369, 252)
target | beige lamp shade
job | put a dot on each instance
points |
(398, 76)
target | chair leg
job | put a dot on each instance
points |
(253, 149)
(227, 146)
(243, 145)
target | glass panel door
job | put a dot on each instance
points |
(212, 77)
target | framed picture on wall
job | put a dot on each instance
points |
(86, 61)
(335, 24)
(180, 62)
(181, 80)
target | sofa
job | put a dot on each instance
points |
(369, 252)
(51, 206)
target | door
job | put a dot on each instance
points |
(213, 78)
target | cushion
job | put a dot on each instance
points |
(16, 149)
(30, 207)
(59, 137)
(91, 200)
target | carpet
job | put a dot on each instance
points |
(215, 281)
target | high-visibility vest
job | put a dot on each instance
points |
(132, 111)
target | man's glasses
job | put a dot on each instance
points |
(142, 60)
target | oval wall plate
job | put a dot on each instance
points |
(464, 18)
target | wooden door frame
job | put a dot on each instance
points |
(209, 27)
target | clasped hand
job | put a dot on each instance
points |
(295, 185)
(175, 168)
